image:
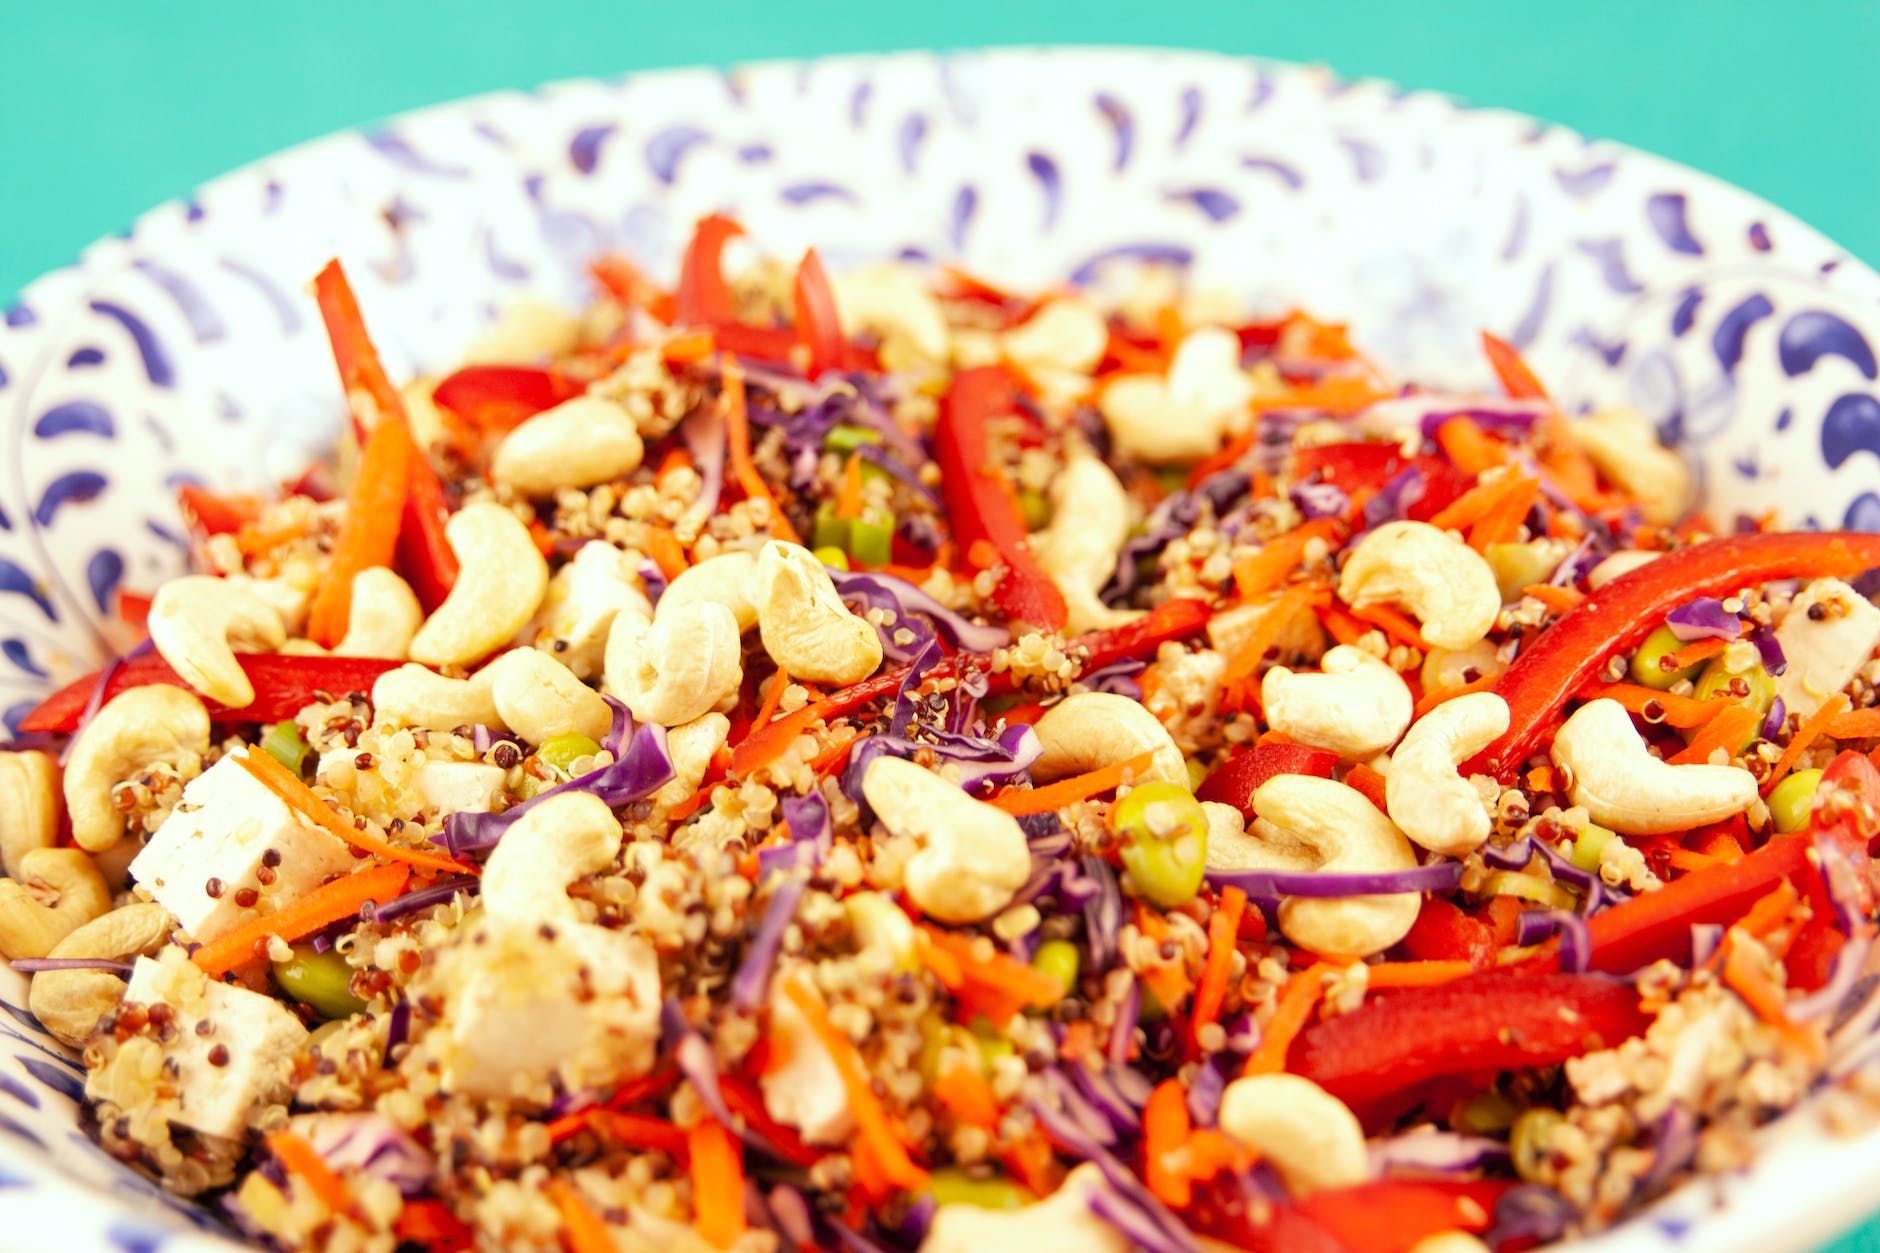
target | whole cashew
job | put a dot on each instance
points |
(729, 579)
(29, 805)
(895, 303)
(973, 857)
(1828, 635)
(78, 892)
(385, 614)
(1610, 772)
(1356, 705)
(691, 748)
(560, 840)
(1095, 729)
(1306, 823)
(1624, 445)
(1184, 416)
(539, 698)
(417, 697)
(1624, 561)
(1310, 1136)
(69, 1003)
(526, 332)
(578, 443)
(1061, 1223)
(196, 622)
(583, 599)
(806, 628)
(135, 730)
(1067, 336)
(500, 580)
(1089, 522)
(1440, 579)
(1432, 804)
(676, 668)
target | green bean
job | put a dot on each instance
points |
(952, 1185)
(1060, 960)
(1165, 842)
(562, 751)
(321, 980)
(1791, 799)
(1648, 662)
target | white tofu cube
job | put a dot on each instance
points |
(803, 1088)
(241, 1059)
(1830, 633)
(583, 599)
(206, 857)
(528, 1000)
(459, 786)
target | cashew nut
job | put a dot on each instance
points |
(135, 730)
(384, 615)
(1609, 770)
(1307, 823)
(973, 857)
(1301, 636)
(583, 599)
(500, 580)
(560, 840)
(29, 805)
(806, 628)
(528, 331)
(578, 443)
(1095, 729)
(69, 1003)
(64, 877)
(1453, 1240)
(539, 698)
(691, 748)
(1624, 445)
(1182, 417)
(1437, 577)
(1059, 346)
(1356, 705)
(895, 303)
(1061, 1223)
(1427, 799)
(1089, 522)
(677, 667)
(416, 697)
(1624, 561)
(197, 621)
(729, 579)
(1310, 1136)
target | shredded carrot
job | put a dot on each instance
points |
(871, 1120)
(1694, 652)
(1167, 981)
(1516, 378)
(1296, 1002)
(1471, 449)
(1502, 522)
(287, 785)
(834, 757)
(1810, 730)
(1054, 796)
(1080, 1040)
(1460, 513)
(689, 347)
(675, 460)
(967, 1096)
(717, 1183)
(766, 743)
(1675, 711)
(983, 979)
(1541, 779)
(1342, 627)
(1442, 695)
(639, 1131)
(1266, 568)
(300, 1158)
(1761, 993)
(666, 551)
(1031, 1158)
(1284, 608)
(1223, 938)
(1165, 1132)
(1856, 724)
(586, 1230)
(1568, 467)
(254, 540)
(849, 494)
(368, 533)
(323, 906)
(1367, 783)
(773, 697)
(1393, 622)
(1771, 910)
(1728, 731)
(738, 449)
(1414, 974)
(693, 803)
(1690, 859)
(1558, 599)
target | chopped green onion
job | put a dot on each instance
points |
(829, 531)
(846, 439)
(1591, 847)
(1529, 887)
(871, 539)
(285, 744)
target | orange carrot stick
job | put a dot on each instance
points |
(1471, 449)
(1267, 568)
(738, 449)
(298, 1157)
(368, 534)
(287, 785)
(717, 1184)
(872, 1125)
(1727, 731)
(586, 1231)
(1414, 974)
(1165, 1132)
(1679, 711)
(1054, 796)
(1296, 1002)
(1223, 938)
(322, 907)
(1806, 734)
(1856, 724)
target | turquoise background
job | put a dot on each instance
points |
(107, 109)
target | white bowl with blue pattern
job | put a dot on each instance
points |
(188, 350)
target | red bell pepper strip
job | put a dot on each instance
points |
(817, 323)
(703, 298)
(1392, 1215)
(763, 343)
(424, 552)
(211, 514)
(369, 391)
(1516, 378)
(1494, 1020)
(1844, 819)
(980, 500)
(623, 281)
(1654, 925)
(1443, 932)
(283, 685)
(499, 397)
(1171, 620)
(1235, 780)
(1568, 654)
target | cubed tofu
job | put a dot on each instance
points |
(1830, 633)
(460, 786)
(528, 1000)
(240, 1059)
(583, 599)
(201, 862)
(802, 1087)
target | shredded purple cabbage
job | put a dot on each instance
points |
(1104, 1097)
(1674, 1146)
(1531, 1213)
(1402, 490)
(1173, 518)
(1514, 417)
(1442, 876)
(1123, 1030)
(811, 833)
(982, 763)
(438, 893)
(1204, 1094)
(369, 1144)
(1117, 678)
(397, 1030)
(704, 435)
(753, 976)
(1769, 650)
(1433, 1152)
(1843, 977)
(1103, 913)
(1704, 618)
(645, 767)
(904, 601)
(1576, 940)
(39, 965)
(1321, 500)
(1778, 714)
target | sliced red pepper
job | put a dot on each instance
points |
(133, 610)
(1654, 925)
(499, 397)
(624, 282)
(1392, 1215)
(1516, 378)
(1235, 780)
(212, 514)
(284, 684)
(1443, 932)
(1222, 1211)
(703, 297)
(1171, 620)
(1842, 820)
(763, 343)
(980, 500)
(817, 324)
(1353, 466)
(431, 1224)
(1494, 1020)
(424, 552)
(1568, 654)
(361, 373)
(746, 1101)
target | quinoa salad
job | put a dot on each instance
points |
(863, 762)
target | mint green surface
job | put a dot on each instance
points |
(107, 109)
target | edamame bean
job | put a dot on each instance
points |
(1527, 1142)
(1791, 799)
(1165, 842)
(562, 751)
(831, 556)
(1648, 662)
(321, 980)
(1060, 960)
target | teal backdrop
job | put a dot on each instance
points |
(107, 109)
